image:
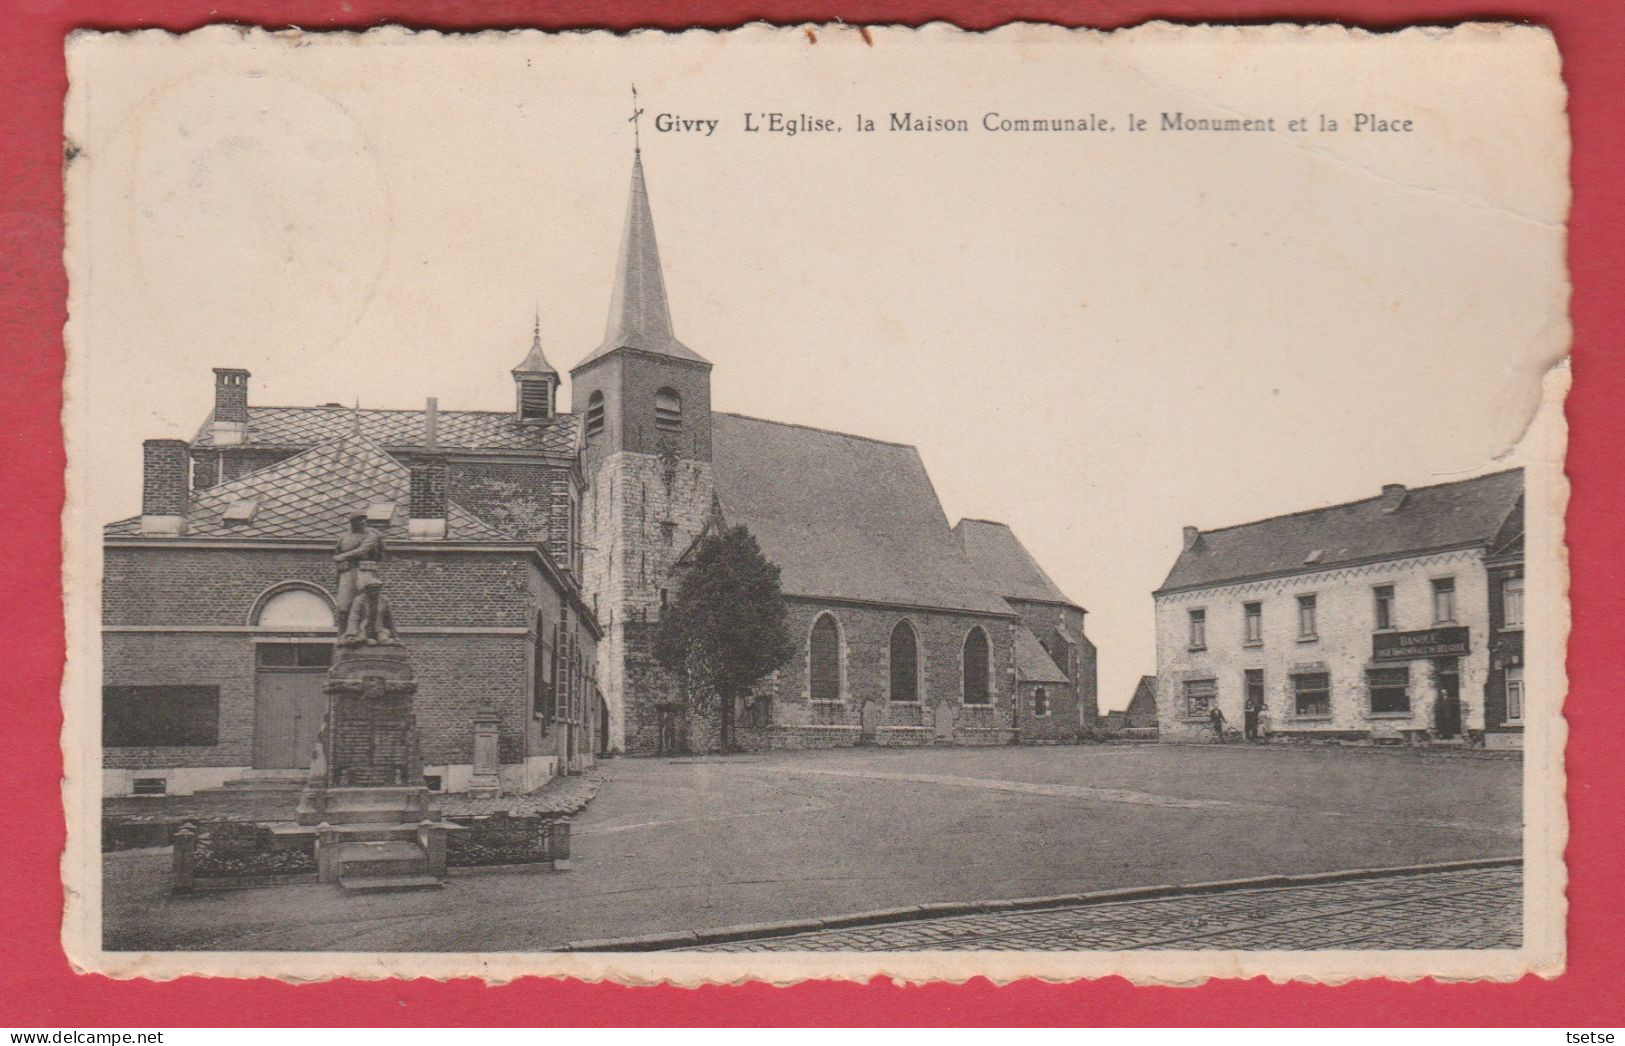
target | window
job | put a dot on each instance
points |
(1384, 596)
(1252, 623)
(1198, 629)
(166, 716)
(1199, 697)
(295, 608)
(535, 400)
(542, 671)
(1390, 690)
(975, 663)
(824, 659)
(1306, 618)
(293, 655)
(1444, 599)
(905, 669)
(1312, 694)
(1515, 693)
(668, 410)
(1512, 603)
(1254, 679)
(595, 414)
(1041, 702)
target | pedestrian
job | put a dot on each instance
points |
(1249, 717)
(1216, 717)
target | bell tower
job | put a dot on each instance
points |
(643, 400)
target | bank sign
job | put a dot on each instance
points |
(1432, 642)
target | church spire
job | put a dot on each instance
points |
(639, 314)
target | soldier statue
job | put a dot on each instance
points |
(363, 609)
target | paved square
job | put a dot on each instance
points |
(681, 844)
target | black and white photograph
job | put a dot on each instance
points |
(816, 502)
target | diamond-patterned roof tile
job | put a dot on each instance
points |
(312, 496)
(403, 429)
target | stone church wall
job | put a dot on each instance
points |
(796, 721)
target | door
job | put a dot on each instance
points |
(1447, 712)
(288, 703)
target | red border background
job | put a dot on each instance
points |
(41, 990)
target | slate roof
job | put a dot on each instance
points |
(639, 314)
(1006, 565)
(1449, 515)
(844, 517)
(1033, 663)
(312, 495)
(468, 430)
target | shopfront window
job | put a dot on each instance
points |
(1390, 690)
(1312, 695)
(1199, 696)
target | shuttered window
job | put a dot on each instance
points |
(535, 400)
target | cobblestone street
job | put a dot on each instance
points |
(1468, 909)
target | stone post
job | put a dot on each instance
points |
(184, 859)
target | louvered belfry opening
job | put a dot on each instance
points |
(535, 401)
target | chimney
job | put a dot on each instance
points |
(230, 421)
(431, 426)
(427, 517)
(1393, 496)
(1193, 537)
(165, 468)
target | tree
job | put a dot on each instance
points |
(727, 627)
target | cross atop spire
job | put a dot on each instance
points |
(637, 144)
(639, 315)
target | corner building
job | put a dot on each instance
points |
(1379, 619)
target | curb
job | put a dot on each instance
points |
(655, 942)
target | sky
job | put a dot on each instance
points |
(1096, 337)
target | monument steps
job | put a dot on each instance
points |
(377, 859)
(390, 884)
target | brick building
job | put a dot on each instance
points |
(910, 631)
(218, 615)
(1398, 616)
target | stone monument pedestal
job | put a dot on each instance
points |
(376, 826)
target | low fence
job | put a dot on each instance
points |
(234, 855)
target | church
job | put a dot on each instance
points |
(531, 552)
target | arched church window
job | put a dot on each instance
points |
(595, 414)
(976, 661)
(824, 659)
(905, 668)
(668, 410)
(295, 608)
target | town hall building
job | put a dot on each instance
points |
(531, 552)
